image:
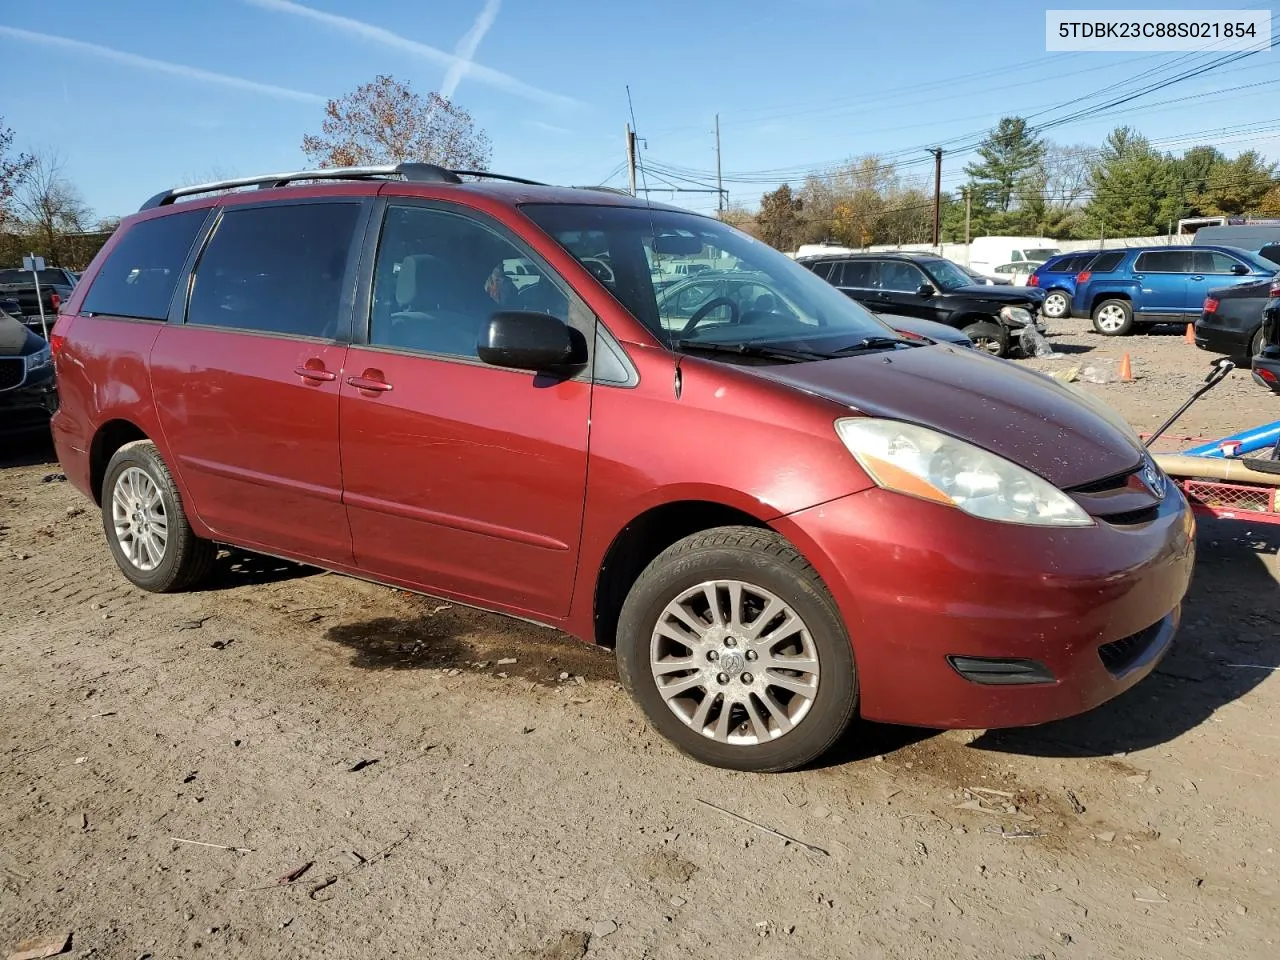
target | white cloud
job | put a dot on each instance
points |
(465, 50)
(494, 78)
(161, 66)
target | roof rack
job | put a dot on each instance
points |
(412, 172)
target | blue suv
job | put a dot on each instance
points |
(1057, 278)
(1142, 285)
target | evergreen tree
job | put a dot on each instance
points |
(1007, 173)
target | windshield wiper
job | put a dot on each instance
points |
(876, 343)
(748, 350)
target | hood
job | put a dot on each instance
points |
(1021, 415)
(16, 340)
(1018, 296)
(926, 328)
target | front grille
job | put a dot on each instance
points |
(13, 370)
(1117, 482)
(1131, 518)
(1118, 657)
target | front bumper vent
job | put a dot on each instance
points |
(1000, 671)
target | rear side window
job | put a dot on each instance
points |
(277, 269)
(1075, 264)
(139, 275)
(1164, 261)
(863, 274)
(822, 268)
(1106, 262)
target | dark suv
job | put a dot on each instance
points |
(777, 510)
(932, 288)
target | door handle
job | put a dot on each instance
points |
(1196, 277)
(307, 373)
(364, 383)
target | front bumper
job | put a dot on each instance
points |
(29, 405)
(918, 583)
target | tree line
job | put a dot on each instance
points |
(1020, 184)
(386, 121)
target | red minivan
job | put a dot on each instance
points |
(780, 513)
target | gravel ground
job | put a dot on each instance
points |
(464, 785)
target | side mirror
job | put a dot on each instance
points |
(525, 341)
(925, 290)
(1239, 269)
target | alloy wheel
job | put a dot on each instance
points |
(139, 519)
(734, 662)
(1055, 306)
(1111, 319)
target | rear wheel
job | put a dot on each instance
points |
(146, 525)
(734, 649)
(989, 337)
(1256, 344)
(1113, 318)
(1056, 305)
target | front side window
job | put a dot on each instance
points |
(440, 276)
(138, 277)
(900, 277)
(1211, 261)
(278, 269)
(766, 297)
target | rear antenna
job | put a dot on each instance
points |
(677, 377)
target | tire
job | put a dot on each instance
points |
(1113, 318)
(1056, 305)
(1256, 344)
(989, 337)
(766, 728)
(136, 477)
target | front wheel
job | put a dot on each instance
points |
(1113, 318)
(1056, 305)
(146, 525)
(989, 337)
(733, 647)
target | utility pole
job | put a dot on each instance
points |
(968, 208)
(719, 181)
(937, 198)
(631, 159)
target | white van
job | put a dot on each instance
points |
(987, 253)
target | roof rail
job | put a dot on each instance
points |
(604, 189)
(413, 172)
(484, 174)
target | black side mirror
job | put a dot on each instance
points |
(526, 341)
(1239, 269)
(925, 290)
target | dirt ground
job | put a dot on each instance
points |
(453, 804)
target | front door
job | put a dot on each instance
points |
(247, 388)
(461, 478)
(900, 284)
(1163, 278)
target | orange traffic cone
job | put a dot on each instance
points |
(1191, 333)
(1126, 369)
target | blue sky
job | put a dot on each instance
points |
(171, 92)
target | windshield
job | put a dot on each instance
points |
(1041, 254)
(948, 275)
(696, 280)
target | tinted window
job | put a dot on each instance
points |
(1075, 264)
(1271, 253)
(138, 276)
(1106, 262)
(1211, 261)
(863, 274)
(47, 277)
(439, 278)
(822, 268)
(276, 269)
(901, 277)
(1164, 261)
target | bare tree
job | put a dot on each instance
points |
(50, 206)
(13, 170)
(387, 122)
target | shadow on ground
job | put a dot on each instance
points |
(27, 448)
(1229, 643)
(445, 636)
(240, 568)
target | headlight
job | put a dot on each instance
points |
(930, 465)
(1015, 315)
(39, 360)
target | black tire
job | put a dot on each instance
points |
(989, 338)
(763, 559)
(1105, 314)
(1256, 344)
(187, 559)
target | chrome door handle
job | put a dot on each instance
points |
(321, 375)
